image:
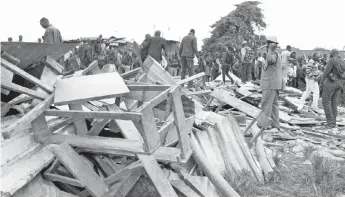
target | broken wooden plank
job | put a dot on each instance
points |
(95, 114)
(25, 75)
(199, 92)
(28, 118)
(20, 173)
(6, 77)
(179, 118)
(80, 170)
(122, 188)
(191, 78)
(79, 125)
(54, 65)
(92, 68)
(39, 187)
(17, 88)
(124, 173)
(100, 86)
(63, 179)
(98, 144)
(48, 78)
(248, 109)
(130, 74)
(13, 60)
(149, 87)
(40, 127)
(183, 188)
(218, 181)
(15, 148)
(148, 130)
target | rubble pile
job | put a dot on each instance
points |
(98, 133)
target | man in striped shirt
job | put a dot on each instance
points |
(312, 76)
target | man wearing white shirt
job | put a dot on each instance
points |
(285, 62)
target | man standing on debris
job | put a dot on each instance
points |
(52, 34)
(10, 39)
(247, 55)
(271, 82)
(188, 48)
(39, 40)
(155, 45)
(286, 61)
(227, 61)
(333, 81)
(312, 77)
(20, 38)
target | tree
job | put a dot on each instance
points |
(237, 26)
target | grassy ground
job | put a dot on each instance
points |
(321, 178)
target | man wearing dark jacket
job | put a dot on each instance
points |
(155, 45)
(333, 82)
(188, 49)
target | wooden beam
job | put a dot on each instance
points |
(22, 172)
(17, 88)
(122, 174)
(180, 123)
(95, 144)
(122, 188)
(147, 87)
(79, 125)
(199, 92)
(40, 127)
(183, 188)
(80, 170)
(93, 66)
(29, 117)
(94, 114)
(48, 78)
(190, 78)
(13, 60)
(25, 75)
(63, 179)
(148, 130)
(130, 74)
(54, 65)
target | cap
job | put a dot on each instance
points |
(272, 39)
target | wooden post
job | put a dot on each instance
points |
(179, 119)
(80, 125)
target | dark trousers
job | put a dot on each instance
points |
(187, 62)
(330, 94)
(270, 106)
(225, 71)
(246, 71)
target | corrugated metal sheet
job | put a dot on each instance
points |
(29, 53)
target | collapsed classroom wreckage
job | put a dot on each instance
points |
(98, 133)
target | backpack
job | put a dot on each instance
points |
(229, 58)
(249, 54)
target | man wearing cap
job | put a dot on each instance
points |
(333, 81)
(188, 49)
(271, 82)
(247, 56)
(52, 34)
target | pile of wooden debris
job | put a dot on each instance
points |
(98, 133)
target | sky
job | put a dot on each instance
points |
(304, 24)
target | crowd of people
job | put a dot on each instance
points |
(321, 75)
